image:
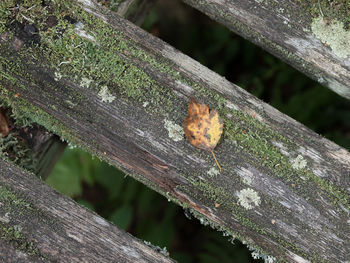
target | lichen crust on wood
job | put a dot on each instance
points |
(105, 85)
(39, 225)
(310, 35)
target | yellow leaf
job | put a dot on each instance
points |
(202, 128)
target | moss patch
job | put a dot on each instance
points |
(16, 209)
(8, 198)
(330, 10)
(15, 237)
(111, 59)
(17, 152)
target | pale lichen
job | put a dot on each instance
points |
(85, 82)
(5, 219)
(105, 95)
(248, 198)
(213, 172)
(58, 76)
(256, 254)
(175, 131)
(266, 258)
(333, 34)
(204, 221)
(299, 162)
(162, 251)
(247, 180)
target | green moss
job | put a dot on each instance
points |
(228, 231)
(102, 61)
(17, 209)
(7, 197)
(27, 113)
(211, 191)
(17, 205)
(330, 23)
(14, 149)
(330, 10)
(12, 235)
(108, 58)
(4, 14)
(17, 152)
(210, 194)
(255, 139)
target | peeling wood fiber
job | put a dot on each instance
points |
(274, 168)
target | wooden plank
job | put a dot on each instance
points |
(47, 149)
(312, 36)
(135, 10)
(37, 224)
(29, 146)
(105, 85)
(43, 148)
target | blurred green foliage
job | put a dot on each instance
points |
(149, 216)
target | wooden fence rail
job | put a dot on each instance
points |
(37, 224)
(104, 84)
(312, 36)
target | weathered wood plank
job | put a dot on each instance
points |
(135, 10)
(37, 224)
(313, 36)
(47, 149)
(105, 85)
(44, 147)
(29, 146)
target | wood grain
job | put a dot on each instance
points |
(46, 148)
(284, 190)
(37, 224)
(284, 28)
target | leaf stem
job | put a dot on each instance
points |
(217, 163)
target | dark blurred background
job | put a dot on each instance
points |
(149, 216)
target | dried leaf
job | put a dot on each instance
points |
(202, 128)
(4, 124)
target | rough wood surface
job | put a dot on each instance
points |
(309, 35)
(135, 10)
(105, 85)
(47, 149)
(29, 146)
(44, 147)
(37, 224)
